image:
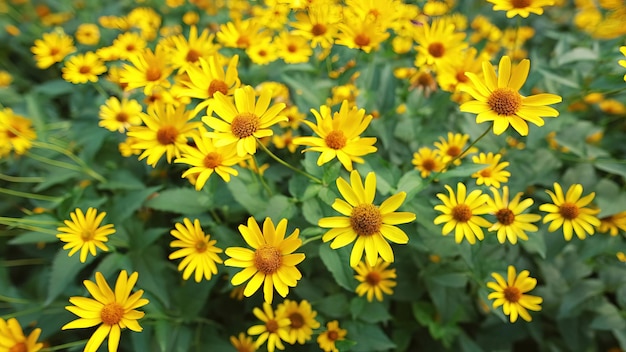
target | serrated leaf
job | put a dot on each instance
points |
(337, 261)
(181, 201)
(63, 272)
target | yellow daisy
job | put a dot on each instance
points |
(494, 173)
(520, 7)
(569, 212)
(240, 33)
(53, 48)
(367, 225)
(438, 42)
(451, 148)
(273, 330)
(498, 99)
(510, 223)
(244, 121)
(271, 261)
(187, 50)
(318, 24)
(166, 132)
(613, 224)
(427, 160)
(127, 45)
(339, 135)
(12, 337)
(84, 233)
(83, 68)
(206, 158)
(302, 320)
(116, 115)
(16, 133)
(511, 294)
(197, 249)
(326, 340)
(461, 213)
(88, 34)
(149, 70)
(262, 52)
(243, 343)
(375, 280)
(361, 34)
(292, 48)
(112, 310)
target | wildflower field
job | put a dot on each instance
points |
(312, 175)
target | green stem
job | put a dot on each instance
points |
(29, 195)
(14, 300)
(287, 165)
(311, 239)
(53, 162)
(32, 221)
(30, 228)
(64, 346)
(261, 178)
(22, 262)
(17, 179)
(69, 154)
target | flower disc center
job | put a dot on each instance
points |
(212, 160)
(336, 140)
(505, 216)
(271, 326)
(373, 278)
(217, 85)
(366, 219)
(512, 294)
(111, 313)
(19, 347)
(244, 125)
(121, 117)
(318, 29)
(505, 101)
(268, 259)
(153, 74)
(520, 4)
(569, 211)
(297, 321)
(362, 40)
(436, 49)
(167, 135)
(192, 55)
(462, 213)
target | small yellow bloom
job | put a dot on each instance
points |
(274, 327)
(12, 337)
(511, 223)
(494, 173)
(521, 7)
(88, 34)
(53, 48)
(302, 320)
(197, 250)
(84, 233)
(375, 280)
(511, 294)
(461, 212)
(326, 339)
(569, 212)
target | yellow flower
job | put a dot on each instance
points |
(273, 330)
(166, 132)
(241, 33)
(494, 173)
(375, 280)
(16, 133)
(453, 146)
(271, 262)
(451, 73)
(521, 7)
(262, 52)
(498, 99)
(292, 48)
(244, 121)
(318, 24)
(339, 135)
(12, 337)
(5, 79)
(53, 48)
(510, 223)
(361, 34)
(149, 70)
(367, 225)
(622, 49)
(84, 233)
(88, 34)
(461, 213)
(285, 140)
(302, 320)
(326, 340)
(438, 42)
(243, 343)
(206, 158)
(197, 249)
(83, 68)
(186, 51)
(128, 44)
(427, 160)
(613, 224)
(113, 310)
(119, 116)
(511, 294)
(569, 212)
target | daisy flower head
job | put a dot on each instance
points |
(613, 224)
(166, 130)
(339, 135)
(273, 330)
(333, 333)
(511, 294)
(497, 98)
(438, 42)
(360, 33)
(427, 160)
(461, 213)
(451, 148)
(367, 225)
(116, 115)
(568, 211)
(511, 223)
(520, 7)
(187, 50)
(148, 70)
(494, 173)
(83, 68)
(292, 48)
(127, 45)
(12, 337)
(375, 280)
(271, 261)
(244, 121)
(88, 34)
(197, 250)
(302, 318)
(53, 48)
(243, 343)
(16, 133)
(318, 24)
(112, 310)
(84, 233)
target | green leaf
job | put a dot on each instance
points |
(247, 195)
(411, 183)
(64, 270)
(577, 54)
(608, 318)
(611, 166)
(333, 306)
(535, 244)
(449, 280)
(368, 337)
(278, 207)
(371, 312)
(181, 201)
(189, 308)
(558, 79)
(464, 170)
(125, 204)
(122, 180)
(312, 211)
(337, 261)
(54, 88)
(151, 270)
(576, 295)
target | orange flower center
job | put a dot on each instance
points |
(201, 246)
(244, 125)
(84, 69)
(121, 116)
(111, 313)
(520, 4)
(462, 213)
(19, 347)
(54, 51)
(373, 278)
(192, 55)
(362, 40)
(268, 259)
(366, 219)
(130, 47)
(332, 335)
(428, 164)
(425, 79)
(335, 140)
(512, 294)
(505, 216)
(453, 150)
(153, 74)
(271, 326)
(212, 160)
(217, 86)
(504, 101)
(569, 210)
(486, 172)
(262, 53)
(167, 135)
(318, 29)
(86, 235)
(297, 321)
(243, 42)
(436, 49)
(292, 48)
(461, 77)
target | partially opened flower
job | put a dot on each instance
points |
(12, 337)
(112, 310)
(497, 98)
(569, 211)
(511, 294)
(84, 233)
(333, 333)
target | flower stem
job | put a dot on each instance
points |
(29, 195)
(22, 262)
(83, 166)
(261, 178)
(16, 179)
(311, 239)
(64, 346)
(287, 165)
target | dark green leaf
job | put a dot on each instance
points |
(64, 270)
(180, 200)
(337, 261)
